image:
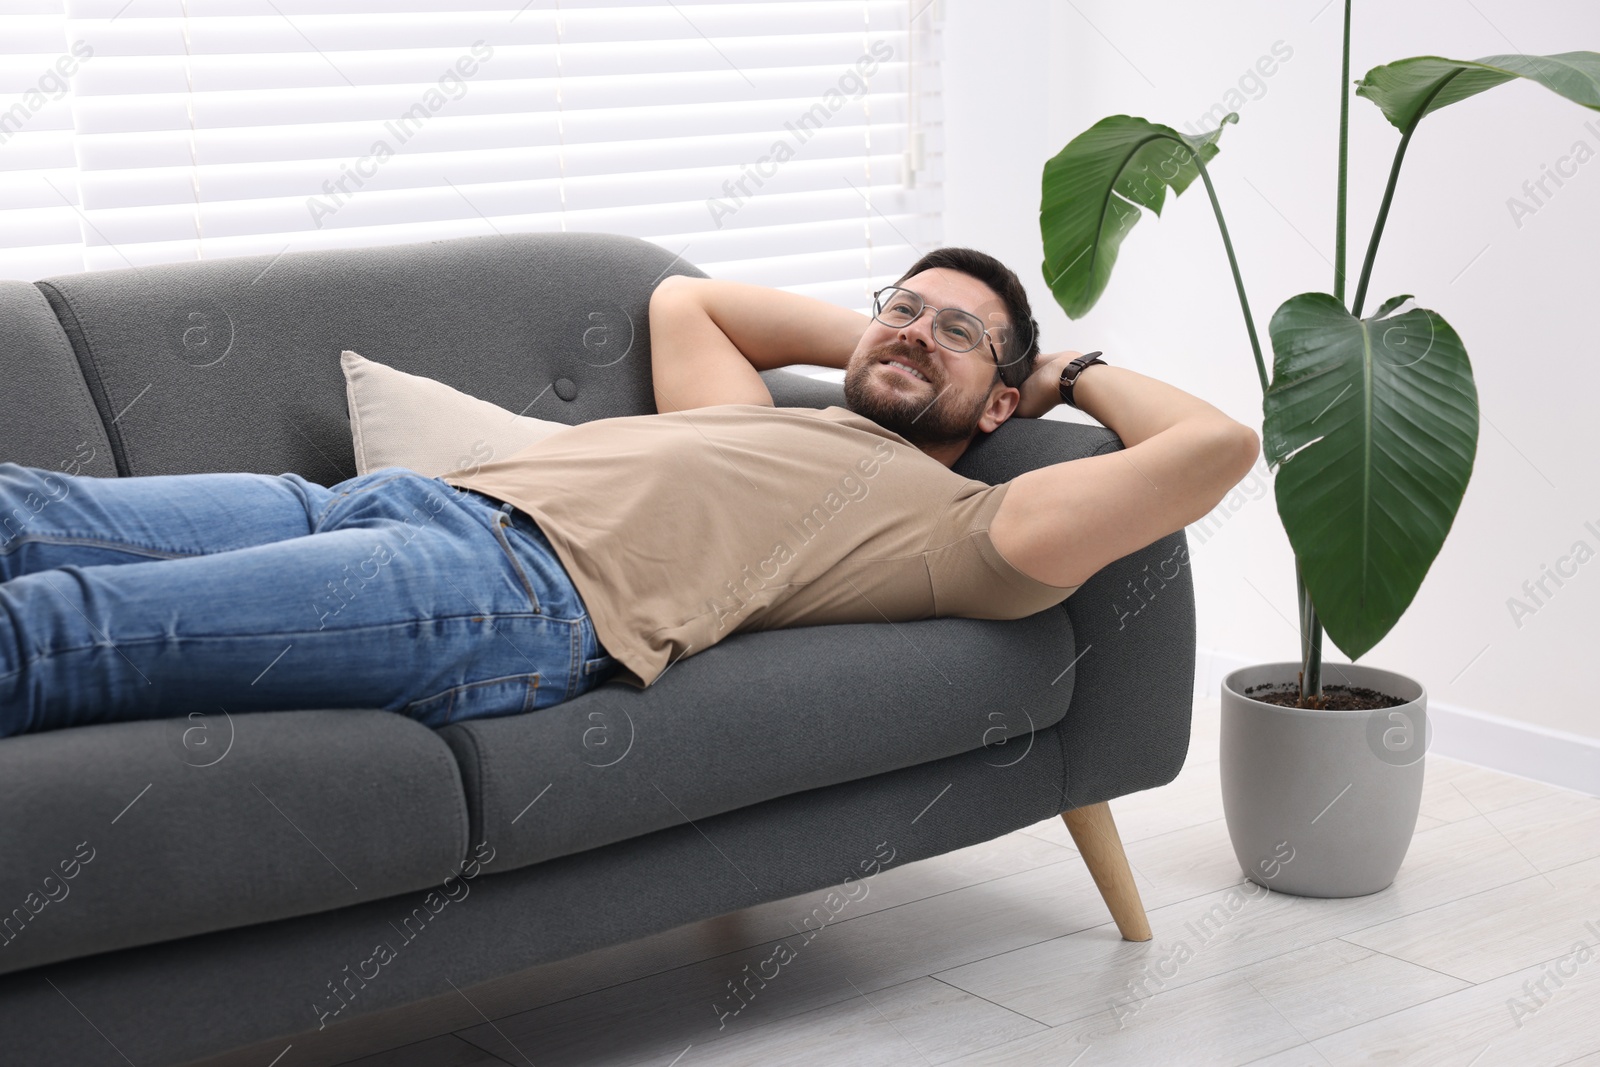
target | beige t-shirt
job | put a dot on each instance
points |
(680, 529)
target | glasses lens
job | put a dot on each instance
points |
(896, 307)
(957, 330)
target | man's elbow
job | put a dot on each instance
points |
(1230, 448)
(671, 300)
(1247, 445)
(672, 287)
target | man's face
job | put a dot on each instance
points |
(952, 405)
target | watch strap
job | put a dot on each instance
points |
(1069, 374)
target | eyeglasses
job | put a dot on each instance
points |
(957, 330)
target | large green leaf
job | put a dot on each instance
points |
(1375, 425)
(1408, 89)
(1091, 189)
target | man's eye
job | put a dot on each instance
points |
(900, 307)
(960, 331)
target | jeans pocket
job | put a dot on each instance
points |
(499, 521)
(511, 694)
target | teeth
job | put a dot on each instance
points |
(913, 370)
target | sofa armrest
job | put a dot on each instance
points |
(1128, 727)
(1134, 620)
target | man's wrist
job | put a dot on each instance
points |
(1081, 399)
(1066, 383)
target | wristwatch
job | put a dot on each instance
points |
(1069, 374)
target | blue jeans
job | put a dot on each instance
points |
(170, 595)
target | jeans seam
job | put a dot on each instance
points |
(128, 642)
(91, 541)
(576, 666)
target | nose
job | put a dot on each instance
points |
(919, 329)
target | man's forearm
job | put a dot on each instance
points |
(773, 328)
(1134, 406)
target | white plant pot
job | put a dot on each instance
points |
(1321, 803)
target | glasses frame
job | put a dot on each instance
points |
(923, 305)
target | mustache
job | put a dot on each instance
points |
(902, 351)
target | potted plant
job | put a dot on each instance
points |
(1371, 425)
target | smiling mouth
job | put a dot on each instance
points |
(905, 369)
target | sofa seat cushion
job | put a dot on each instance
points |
(761, 715)
(132, 833)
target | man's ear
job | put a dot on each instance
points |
(1015, 396)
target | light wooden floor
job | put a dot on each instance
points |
(1486, 950)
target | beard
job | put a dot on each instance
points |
(928, 414)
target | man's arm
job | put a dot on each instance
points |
(709, 339)
(1062, 523)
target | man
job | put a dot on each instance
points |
(617, 546)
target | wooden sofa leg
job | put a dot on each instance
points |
(1096, 837)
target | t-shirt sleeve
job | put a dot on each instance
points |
(970, 577)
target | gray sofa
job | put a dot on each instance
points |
(222, 899)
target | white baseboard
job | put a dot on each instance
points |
(1555, 757)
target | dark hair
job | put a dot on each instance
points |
(1021, 343)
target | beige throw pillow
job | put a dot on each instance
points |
(406, 420)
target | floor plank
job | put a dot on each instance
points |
(1495, 1023)
(1453, 790)
(921, 1021)
(1369, 985)
(1552, 831)
(1504, 929)
(1221, 1021)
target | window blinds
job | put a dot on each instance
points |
(39, 223)
(765, 142)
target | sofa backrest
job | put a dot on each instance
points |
(47, 418)
(233, 364)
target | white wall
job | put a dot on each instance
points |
(1021, 79)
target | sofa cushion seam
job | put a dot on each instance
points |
(84, 356)
(79, 381)
(1061, 733)
(482, 774)
(464, 820)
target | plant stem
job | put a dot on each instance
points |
(1388, 194)
(1310, 645)
(1310, 625)
(1310, 650)
(1233, 262)
(1377, 227)
(1344, 159)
